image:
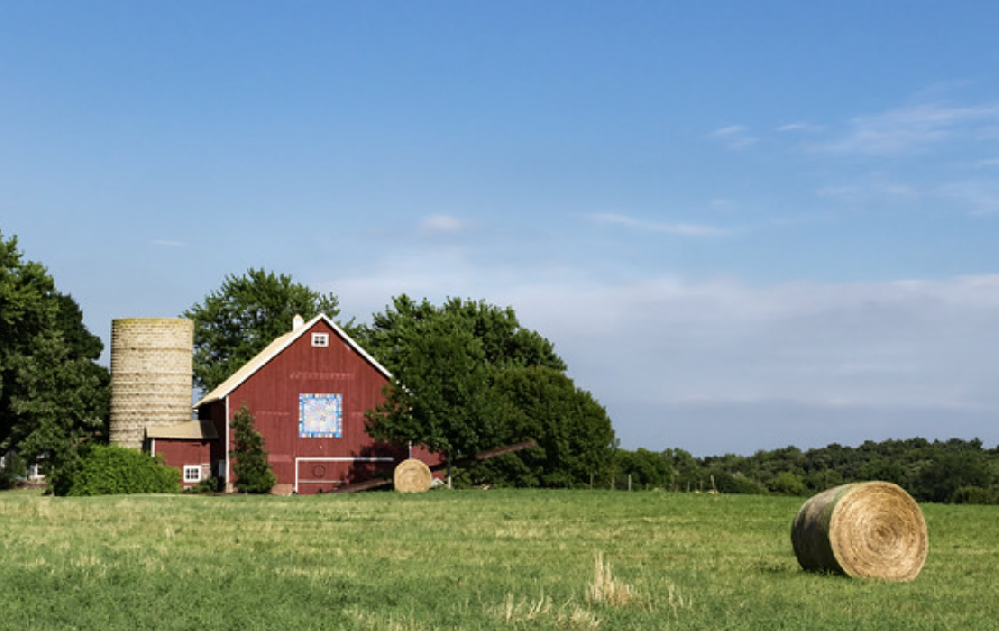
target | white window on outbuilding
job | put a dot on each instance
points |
(192, 473)
(321, 340)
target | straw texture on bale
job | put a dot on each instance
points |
(412, 476)
(866, 530)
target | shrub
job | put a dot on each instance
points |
(12, 470)
(739, 483)
(788, 483)
(973, 495)
(110, 470)
(208, 485)
(252, 469)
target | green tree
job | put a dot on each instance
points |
(252, 470)
(440, 394)
(26, 311)
(687, 472)
(503, 341)
(950, 469)
(573, 432)
(788, 483)
(459, 388)
(243, 316)
(53, 397)
(56, 399)
(648, 469)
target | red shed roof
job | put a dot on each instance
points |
(274, 349)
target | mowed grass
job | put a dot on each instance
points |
(465, 560)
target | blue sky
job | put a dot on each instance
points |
(744, 225)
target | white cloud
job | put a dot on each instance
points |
(680, 229)
(879, 347)
(982, 197)
(800, 127)
(167, 243)
(734, 136)
(975, 197)
(915, 129)
(438, 224)
(875, 193)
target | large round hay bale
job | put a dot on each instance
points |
(412, 476)
(865, 530)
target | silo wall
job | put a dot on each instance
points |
(151, 376)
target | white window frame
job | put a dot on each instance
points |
(321, 340)
(190, 469)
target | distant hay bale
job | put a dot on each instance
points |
(412, 476)
(866, 530)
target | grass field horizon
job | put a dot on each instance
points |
(493, 559)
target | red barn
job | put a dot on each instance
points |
(308, 391)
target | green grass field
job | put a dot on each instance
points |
(465, 560)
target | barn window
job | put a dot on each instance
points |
(192, 473)
(320, 416)
(321, 340)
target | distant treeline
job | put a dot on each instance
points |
(956, 471)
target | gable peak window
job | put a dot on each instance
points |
(320, 340)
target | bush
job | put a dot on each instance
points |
(973, 495)
(739, 483)
(788, 483)
(208, 485)
(12, 470)
(252, 469)
(110, 470)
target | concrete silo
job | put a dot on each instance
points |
(151, 376)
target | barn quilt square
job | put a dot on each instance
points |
(320, 415)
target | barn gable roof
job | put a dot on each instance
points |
(275, 348)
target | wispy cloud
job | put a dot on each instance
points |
(442, 224)
(800, 127)
(915, 129)
(167, 243)
(974, 197)
(980, 196)
(734, 136)
(680, 229)
(877, 192)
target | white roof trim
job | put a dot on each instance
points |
(274, 349)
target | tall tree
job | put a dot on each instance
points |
(243, 316)
(504, 342)
(26, 311)
(462, 384)
(574, 436)
(52, 394)
(253, 471)
(440, 395)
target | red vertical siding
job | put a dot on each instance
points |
(272, 396)
(181, 453)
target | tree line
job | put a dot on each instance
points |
(955, 470)
(467, 377)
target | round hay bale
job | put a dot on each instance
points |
(412, 476)
(865, 530)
